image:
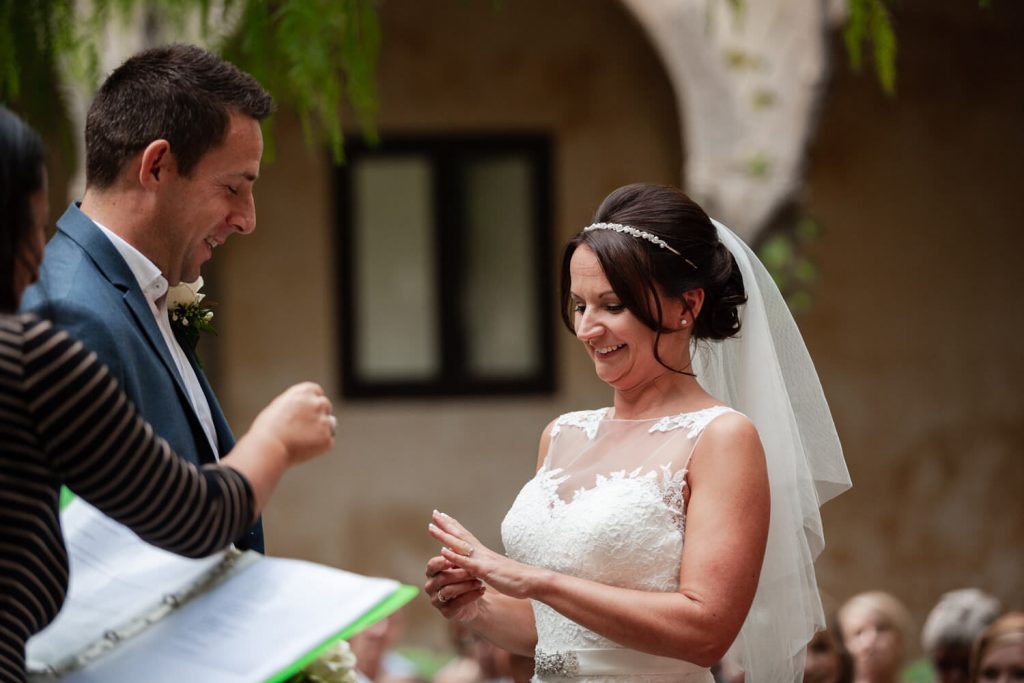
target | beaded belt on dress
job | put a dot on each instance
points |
(609, 661)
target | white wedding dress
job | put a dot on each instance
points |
(608, 504)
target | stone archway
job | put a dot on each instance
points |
(748, 83)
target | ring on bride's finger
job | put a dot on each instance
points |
(440, 598)
(469, 551)
(333, 421)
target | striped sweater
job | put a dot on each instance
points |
(63, 420)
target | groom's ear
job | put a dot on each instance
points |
(154, 164)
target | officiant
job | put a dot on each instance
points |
(64, 420)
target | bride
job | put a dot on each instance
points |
(716, 437)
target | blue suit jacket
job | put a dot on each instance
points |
(86, 288)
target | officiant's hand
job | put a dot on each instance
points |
(464, 551)
(301, 418)
(297, 425)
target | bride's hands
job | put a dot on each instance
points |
(452, 591)
(464, 552)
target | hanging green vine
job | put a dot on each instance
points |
(869, 23)
(313, 55)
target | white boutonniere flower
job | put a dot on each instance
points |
(185, 293)
(337, 664)
(188, 316)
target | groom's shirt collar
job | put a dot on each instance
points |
(154, 287)
(151, 281)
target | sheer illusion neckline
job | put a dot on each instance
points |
(606, 415)
(592, 421)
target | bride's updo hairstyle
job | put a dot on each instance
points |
(638, 268)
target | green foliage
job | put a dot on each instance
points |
(759, 166)
(763, 98)
(311, 55)
(738, 60)
(869, 22)
(190, 322)
(783, 254)
(32, 34)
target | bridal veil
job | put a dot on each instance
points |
(766, 373)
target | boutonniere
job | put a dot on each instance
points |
(189, 317)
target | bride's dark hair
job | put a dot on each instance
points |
(638, 270)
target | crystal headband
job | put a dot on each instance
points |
(639, 234)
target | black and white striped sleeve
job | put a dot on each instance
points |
(107, 454)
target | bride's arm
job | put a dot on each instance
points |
(504, 621)
(726, 530)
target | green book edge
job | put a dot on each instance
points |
(402, 595)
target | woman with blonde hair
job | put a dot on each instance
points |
(876, 628)
(999, 651)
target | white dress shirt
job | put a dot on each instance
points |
(154, 287)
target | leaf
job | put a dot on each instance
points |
(776, 252)
(739, 10)
(855, 31)
(869, 22)
(884, 39)
(763, 99)
(759, 166)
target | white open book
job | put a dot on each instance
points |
(137, 613)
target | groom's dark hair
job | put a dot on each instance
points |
(179, 93)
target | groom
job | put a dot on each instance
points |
(173, 147)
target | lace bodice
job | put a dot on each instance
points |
(608, 504)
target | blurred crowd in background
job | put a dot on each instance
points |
(967, 637)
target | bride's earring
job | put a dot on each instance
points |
(682, 322)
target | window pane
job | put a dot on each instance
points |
(499, 297)
(396, 315)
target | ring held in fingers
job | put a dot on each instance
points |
(440, 598)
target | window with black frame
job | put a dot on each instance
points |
(444, 272)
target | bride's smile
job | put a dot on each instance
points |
(619, 343)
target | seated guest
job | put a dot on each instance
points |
(875, 628)
(827, 660)
(998, 655)
(64, 421)
(951, 629)
(477, 660)
(376, 659)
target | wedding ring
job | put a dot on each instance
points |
(333, 421)
(440, 598)
(469, 551)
